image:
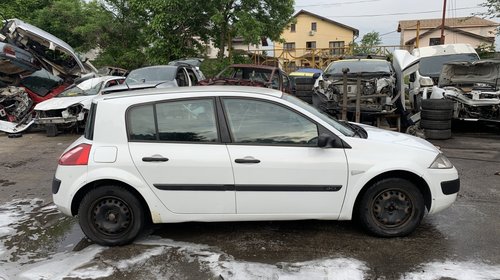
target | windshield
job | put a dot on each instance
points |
(81, 89)
(431, 66)
(347, 131)
(254, 74)
(41, 82)
(151, 74)
(358, 66)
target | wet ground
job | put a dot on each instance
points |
(462, 242)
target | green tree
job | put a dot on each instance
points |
(368, 43)
(249, 19)
(493, 7)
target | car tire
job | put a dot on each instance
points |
(111, 216)
(436, 114)
(391, 207)
(437, 104)
(435, 124)
(437, 134)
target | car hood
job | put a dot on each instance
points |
(19, 29)
(481, 71)
(64, 102)
(391, 137)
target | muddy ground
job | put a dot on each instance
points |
(462, 242)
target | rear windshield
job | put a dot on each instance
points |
(151, 74)
(431, 66)
(358, 66)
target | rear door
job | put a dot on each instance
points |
(176, 147)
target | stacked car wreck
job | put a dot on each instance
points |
(34, 66)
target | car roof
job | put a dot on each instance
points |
(362, 60)
(253, 66)
(195, 89)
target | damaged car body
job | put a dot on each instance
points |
(69, 109)
(375, 79)
(474, 87)
(34, 66)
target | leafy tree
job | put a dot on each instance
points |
(22, 9)
(493, 7)
(368, 43)
(249, 19)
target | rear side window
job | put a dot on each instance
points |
(176, 121)
(89, 126)
(142, 123)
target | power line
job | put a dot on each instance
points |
(406, 13)
(339, 3)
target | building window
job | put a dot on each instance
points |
(336, 47)
(292, 27)
(289, 46)
(434, 41)
(311, 45)
(313, 26)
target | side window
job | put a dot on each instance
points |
(187, 121)
(142, 123)
(260, 122)
(181, 78)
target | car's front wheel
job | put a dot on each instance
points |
(391, 207)
(111, 215)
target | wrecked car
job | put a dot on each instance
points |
(377, 87)
(158, 76)
(474, 87)
(252, 75)
(69, 109)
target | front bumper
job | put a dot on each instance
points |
(444, 185)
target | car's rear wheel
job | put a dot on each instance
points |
(111, 215)
(391, 207)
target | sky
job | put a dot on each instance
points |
(383, 15)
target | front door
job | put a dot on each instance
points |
(180, 155)
(278, 167)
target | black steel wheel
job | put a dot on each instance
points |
(111, 215)
(391, 207)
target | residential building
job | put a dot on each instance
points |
(469, 30)
(313, 41)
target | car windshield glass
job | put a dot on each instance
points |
(358, 66)
(346, 130)
(41, 82)
(254, 74)
(83, 88)
(431, 66)
(151, 74)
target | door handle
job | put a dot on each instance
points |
(154, 159)
(246, 160)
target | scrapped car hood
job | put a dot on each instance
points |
(481, 71)
(11, 127)
(382, 135)
(57, 103)
(20, 28)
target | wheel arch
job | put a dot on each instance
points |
(80, 194)
(421, 184)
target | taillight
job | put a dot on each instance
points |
(10, 51)
(79, 155)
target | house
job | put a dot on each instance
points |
(470, 30)
(313, 41)
(238, 45)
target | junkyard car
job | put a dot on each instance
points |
(377, 82)
(159, 76)
(252, 75)
(69, 109)
(223, 153)
(474, 87)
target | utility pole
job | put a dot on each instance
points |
(442, 23)
(418, 34)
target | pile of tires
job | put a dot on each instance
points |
(304, 88)
(435, 118)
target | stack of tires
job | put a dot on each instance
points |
(304, 88)
(435, 118)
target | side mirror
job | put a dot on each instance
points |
(412, 77)
(316, 75)
(325, 141)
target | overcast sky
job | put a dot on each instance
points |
(383, 15)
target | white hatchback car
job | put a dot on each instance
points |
(242, 154)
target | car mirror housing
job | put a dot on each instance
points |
(325, 141)
(316, 75)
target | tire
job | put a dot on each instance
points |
(51, 130)
(304, 81)
(436, 114)
(436, 125)
(111, 216)
(391, 207)
(440, 134)
(437, 104)
(304, 87)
